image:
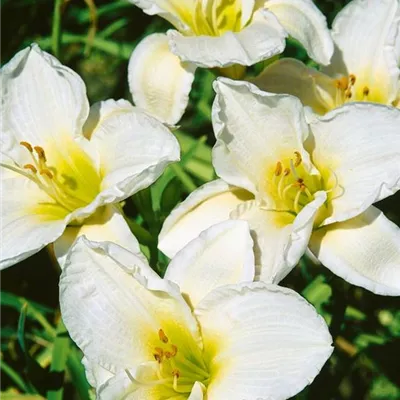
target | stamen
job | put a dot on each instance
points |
(175, 374)
(278, 169)
(342, 83)
(163, 337)
(352, 78)
(296, 200)
(27, 146)
(348, 94)
(40, 152)
(287, 188)
(366, 91)
(293, 170)
(298, 159)
(46, 172)
(286, 172)
(174, 350)
(30, 167)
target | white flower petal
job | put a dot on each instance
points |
(206, 206)
(364, 251)
(159, 82)
(253, 130)
(113, 305)
(263, 38)
(304, 21)
(359, 143)
(95, 374)
(29, 220)
(280, 239)
(134, 149)
(116, 387)
(221, 255)
(42, 100)
(178, 12)
(106, 225)
(197, 392)
(365, 35)
(291, 76)
(266, 341)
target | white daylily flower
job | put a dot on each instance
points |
(57, 173)
(222, 33)
(212, 337)
(365, 66)
(301, 185)
(216, 33)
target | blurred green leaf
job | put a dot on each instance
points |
(59, 360)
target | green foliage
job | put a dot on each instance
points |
(39, 360)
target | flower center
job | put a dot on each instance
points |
(215, 17)
(65, 184)
(176, 368)
(349, 89)
(292, 187)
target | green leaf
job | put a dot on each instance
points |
(59, 360)
(33, 310)
(77, 372)
(36, 375)
(170, 196)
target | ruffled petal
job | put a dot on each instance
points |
(206, 206)
(42, 101)
(290, 76)
(221, 255)
(280, 239)
(263, 341)
(263, 38)
(358, 144)
(134, 149)
(113, 305)
(179, 13)
(159, 82)
(254, 130)
(304, 21)
(364, 251)
(106, 225)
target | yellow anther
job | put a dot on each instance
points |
(352, 78)
(31, 167)
(163, 337)
(278, 168)
(40, 152)
(286, 172)
(27, 146)
(348, 94)
(158, 355)
(46, 172)
(366, 91)
(174, 350)
(298, 159)
(342, 83)
(176, 373)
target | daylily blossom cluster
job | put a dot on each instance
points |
(301, 156)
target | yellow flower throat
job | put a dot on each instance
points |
(72, 184)
(177, 369)
(292, 186)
